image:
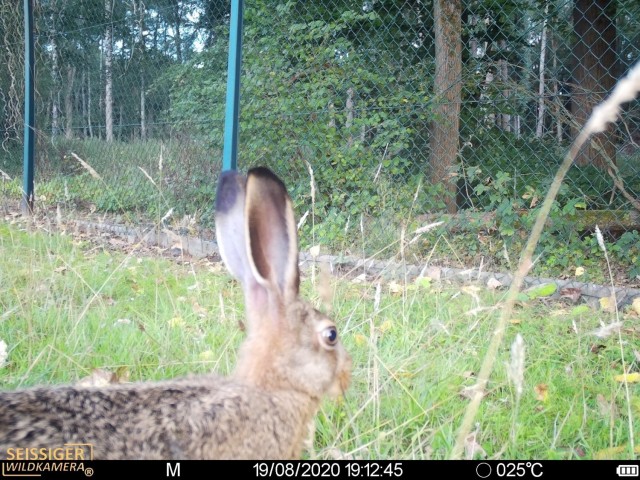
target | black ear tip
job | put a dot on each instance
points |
(264, 173)
(230, 186)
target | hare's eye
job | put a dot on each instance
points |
(330, 336)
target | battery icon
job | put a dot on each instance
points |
(627, 470)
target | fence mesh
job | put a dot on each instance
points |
(399, 112)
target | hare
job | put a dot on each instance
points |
(290, 359)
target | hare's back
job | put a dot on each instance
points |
(199, 417)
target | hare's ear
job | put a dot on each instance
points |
(230, 227)
(272, 241)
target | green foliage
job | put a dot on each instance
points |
(300, 109)
(626, 250)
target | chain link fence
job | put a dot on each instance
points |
(381, 116)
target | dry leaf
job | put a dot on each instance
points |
(579, 452)
(470, 289)
(207, 355)
(360, 339)
(573, 294)
(97, 378)
(607, 304)
(470, 392)
(176, 322)
(122, 375)
(395, 288)
(628, 377)
(493, 283)
(472, 448)
(360, 278)
(337, 454)
(199, 310)
(613, 452)
(385, 327)
(542, 392)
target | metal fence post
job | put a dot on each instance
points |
(230, 152)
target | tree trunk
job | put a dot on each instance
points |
(473, 40)
(141, 47)
(83, 101)
(541, 67)
(503, 71)
(595, 74)
(55, 74)
(101, 88)
(89, 105)
(68, 103)
(143, 116)
(488, 119)
(447, 90)
(120, 122)
(557, 110)
(177, 34)
(108, 72)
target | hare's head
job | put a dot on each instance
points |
(290, 344)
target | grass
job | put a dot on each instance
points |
(182, 169)
(69, 305)
(68, 308)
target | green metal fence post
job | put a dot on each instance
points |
(230, 152)
(29, 111)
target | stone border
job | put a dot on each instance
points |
(366, 269)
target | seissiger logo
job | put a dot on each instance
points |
(34, 462)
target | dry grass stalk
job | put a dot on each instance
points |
(603, 114)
